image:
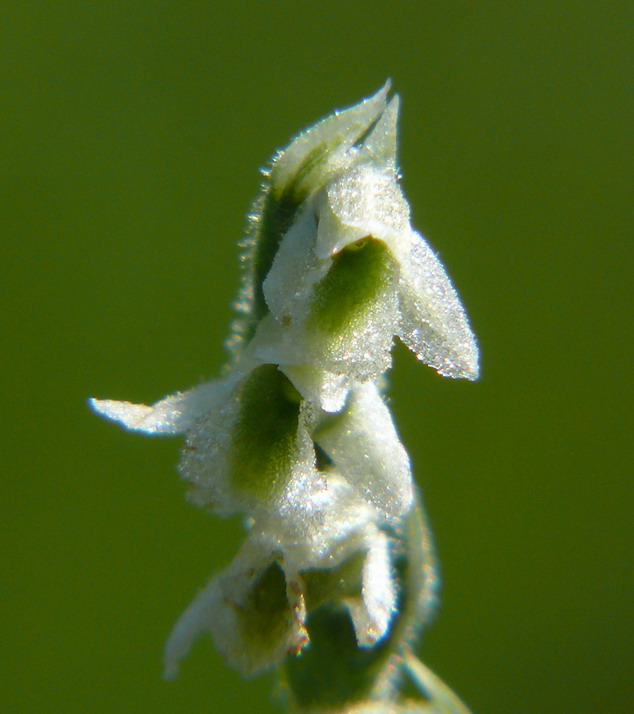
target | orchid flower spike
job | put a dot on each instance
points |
(336, 574)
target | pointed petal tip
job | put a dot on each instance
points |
(394, 104)
(175, 414)
(103, 407)
(462, 366)
(383, 92)
(471, 361)
(132, 416)
(471, 373)
(379, 98)
(474, 373)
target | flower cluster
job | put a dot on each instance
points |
(296, 434)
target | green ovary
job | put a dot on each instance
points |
(265, 432)
(359, 275)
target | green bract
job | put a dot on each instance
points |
(336, 574)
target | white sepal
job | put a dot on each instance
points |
(364, 447)
(433, 322)
(174, 414)
(322, 149)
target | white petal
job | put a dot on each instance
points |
(330, 527)
(359, 349)
(365, 201)
(175, 414)
(295, 270)
(433, 321)
(366, 450)
(323, 367)
(372, 612)
(287, 346)
(275, 343)
(299, 506)
(334, 135)
(205, 461)
(327, 389)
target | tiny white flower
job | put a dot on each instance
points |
(257, 609)
(325, 150)
(338, 526)
(248, 442)
(350, 274)
(245, 455)
(255, 615)
(251, 442)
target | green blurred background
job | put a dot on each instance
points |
(131, 137)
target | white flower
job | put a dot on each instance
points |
(325, 150)
(256, 610)
(251, 443)
(350, 274)
(255, 615)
